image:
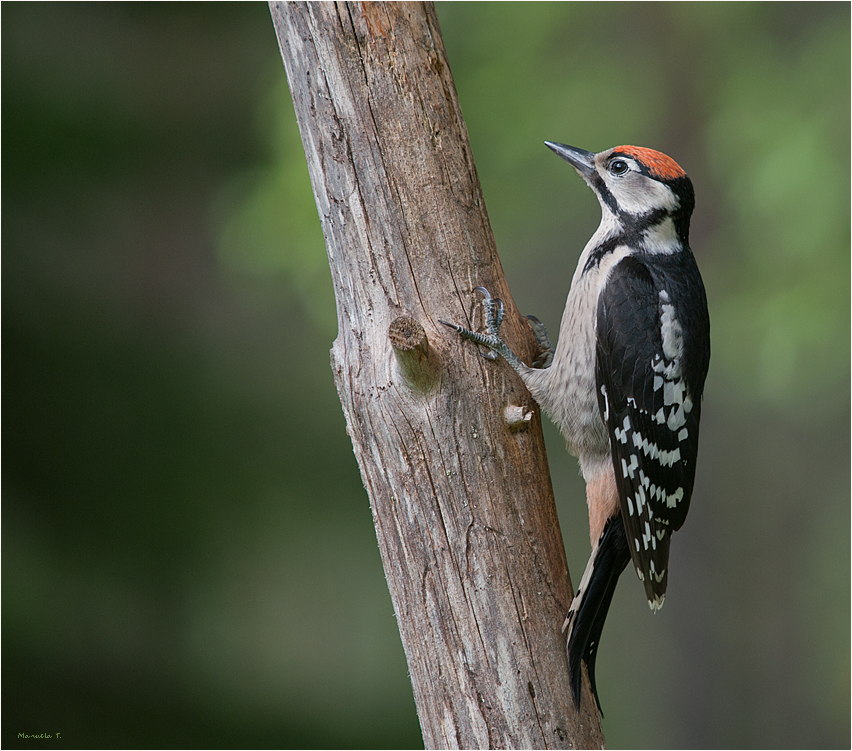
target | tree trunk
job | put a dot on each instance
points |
(449, 443)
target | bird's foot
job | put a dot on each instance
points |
(494, 314)
(544, 358)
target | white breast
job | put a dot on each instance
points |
(567, 390)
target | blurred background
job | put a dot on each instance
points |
(188, 554)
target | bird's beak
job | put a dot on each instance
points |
(580, 160)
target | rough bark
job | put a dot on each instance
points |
(449, 444)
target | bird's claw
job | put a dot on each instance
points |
(544, 358)
(495, 312)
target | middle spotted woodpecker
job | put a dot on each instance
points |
(625, 381)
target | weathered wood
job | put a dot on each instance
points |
(455, 469)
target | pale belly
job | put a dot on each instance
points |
(567, 390)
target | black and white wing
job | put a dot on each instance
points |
(652, 357)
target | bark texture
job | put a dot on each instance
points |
(455, 469)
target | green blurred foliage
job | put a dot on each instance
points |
(256, 236)
(189, 558)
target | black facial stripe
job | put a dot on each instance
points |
(634, 227)
(597, 255)
(603, 191)
(635, 224)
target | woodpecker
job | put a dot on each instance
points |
(625, 381)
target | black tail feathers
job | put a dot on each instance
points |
(591, 604)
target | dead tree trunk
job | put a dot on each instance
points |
(449, 444)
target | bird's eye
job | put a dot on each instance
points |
(618, 167)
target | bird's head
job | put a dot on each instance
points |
(635, 184)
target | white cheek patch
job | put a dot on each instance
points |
(638, 194)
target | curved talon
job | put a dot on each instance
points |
(495, 311)
(486, 294)
(544, 358)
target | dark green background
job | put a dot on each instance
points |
(188, 553)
